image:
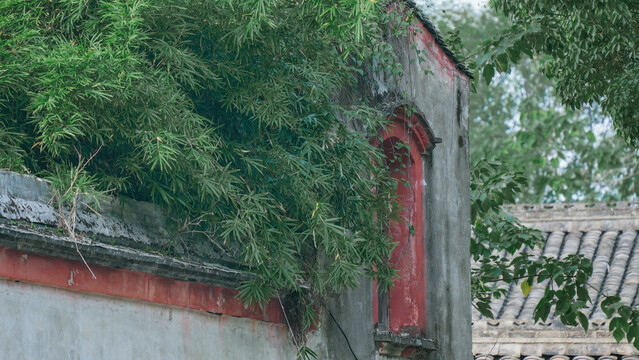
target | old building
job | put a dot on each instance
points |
(607, 234)
(132, 302)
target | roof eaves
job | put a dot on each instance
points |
(438, 39)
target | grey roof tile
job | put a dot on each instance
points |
(600, 268)
(631, 277)
(533, 297)
(497, 304)
(554, 357)
(572, 242)
(607, 234)
(484, 357)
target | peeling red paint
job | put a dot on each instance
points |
(427, 39)
(446, 64)
(407, 299)
(74, 275)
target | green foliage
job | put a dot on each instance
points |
(625, 323)
(494, 232)
(590, 49)
(567, 155)
(229, 114)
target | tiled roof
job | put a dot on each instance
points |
(605, 233)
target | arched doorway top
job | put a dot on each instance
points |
(410, 127)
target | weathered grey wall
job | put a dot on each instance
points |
(40, 322)
(45, 322)
(353, 311)
(442, 98)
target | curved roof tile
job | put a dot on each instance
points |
(608, 235)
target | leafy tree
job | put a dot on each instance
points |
(567, 154)
(495, 233)
(224, 113)
(590, 50)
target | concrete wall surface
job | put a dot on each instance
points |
(41, 322)
(440, 93)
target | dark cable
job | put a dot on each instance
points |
(345, 337)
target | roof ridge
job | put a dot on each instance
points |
(614, 205)
(578, 216)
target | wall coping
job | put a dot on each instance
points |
(123, 235)
(571, 217)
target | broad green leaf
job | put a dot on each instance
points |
(562, 306)
(489, 72)
(583, 320)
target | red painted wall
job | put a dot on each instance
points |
(407, 299)
(72, 275)
(446, 65)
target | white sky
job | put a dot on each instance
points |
(477, 4)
